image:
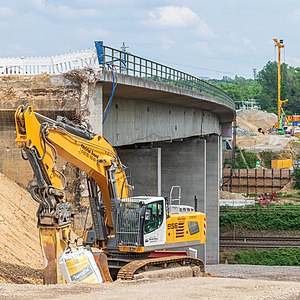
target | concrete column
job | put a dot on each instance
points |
(91, 113)
(96, 109)
(183, 164)
(204, 210)
(220, 161)
(91, 105)
(145, 169)
(212, 208)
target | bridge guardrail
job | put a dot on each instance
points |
(133, 65)
(123, 62)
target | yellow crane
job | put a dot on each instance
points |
(280, 112)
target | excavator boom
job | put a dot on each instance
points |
(42, 140)
(124, 227)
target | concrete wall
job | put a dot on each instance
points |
(138, 121)
(183, 164)
(145, 169)
(212, 198)
(48, 94)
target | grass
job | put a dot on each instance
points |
(284, 217)
(278, 257)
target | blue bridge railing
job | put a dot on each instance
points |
(129, 64)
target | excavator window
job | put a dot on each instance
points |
(154, 216)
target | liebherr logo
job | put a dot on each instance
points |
(88, 152)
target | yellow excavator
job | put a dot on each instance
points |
(136, 233)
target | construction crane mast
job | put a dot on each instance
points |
(279, 44)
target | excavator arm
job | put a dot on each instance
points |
(42, 140)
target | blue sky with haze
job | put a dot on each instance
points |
(211, 38)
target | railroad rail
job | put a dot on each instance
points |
(262, 238)
(256, 210)
(267, 242)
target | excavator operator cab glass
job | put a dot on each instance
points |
(154, 216)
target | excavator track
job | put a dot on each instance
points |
(133, 268)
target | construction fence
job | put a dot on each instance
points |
(255, 181)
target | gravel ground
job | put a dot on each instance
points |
(277, 273)
(274, 286)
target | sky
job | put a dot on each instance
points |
(205, 38)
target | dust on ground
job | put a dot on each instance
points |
(213, 288)
(20, 253)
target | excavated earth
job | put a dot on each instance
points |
(20, 255)
(248, 137)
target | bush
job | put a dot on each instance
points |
(267, 156)
(296, 177)
(278, 257)
(285, 219)
(249, 160)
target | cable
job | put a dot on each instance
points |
(114, 84)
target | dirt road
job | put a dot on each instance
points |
(275, 287)
(184, 288)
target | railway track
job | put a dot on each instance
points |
(255, 210)
(267, 242)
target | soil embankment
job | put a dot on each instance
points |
(20, 254)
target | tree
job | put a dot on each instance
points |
(267, 78)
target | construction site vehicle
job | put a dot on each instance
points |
(296, 132)
(128, 229)
(281, 117)
(261, 130)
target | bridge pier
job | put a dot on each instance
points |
(194, 165)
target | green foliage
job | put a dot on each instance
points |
(285, 219)
(267, 156)
(278, 257)
(267, 78)
(244, 159)
(238, 88)
(239, 162)
(250, 158)
(264, 88)
(296, 177)
(283, 195)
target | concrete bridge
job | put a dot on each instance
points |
(167, 126)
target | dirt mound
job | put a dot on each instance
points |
(248, 137)
(253, 119)
(20, 253)
(228, 195)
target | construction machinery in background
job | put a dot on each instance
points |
(281, 117)
(136, 233)
(285, 123)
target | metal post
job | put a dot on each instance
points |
(204, 193)
(195, 203)
(159, 172)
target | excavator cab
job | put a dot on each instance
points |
(141, 221)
